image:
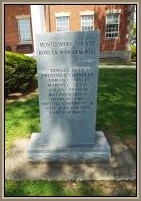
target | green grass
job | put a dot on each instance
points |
(115, 61)
(116, 114)
(21, 119)
(50, 188)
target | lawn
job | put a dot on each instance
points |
(116, 61)
(51, 188)
(65, 189)
(116, 112)
(116, 115)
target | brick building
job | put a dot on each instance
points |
(22, 22)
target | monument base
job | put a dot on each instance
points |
(100, 151)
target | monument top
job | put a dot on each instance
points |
(67, 49)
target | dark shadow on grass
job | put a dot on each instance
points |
(14, 188)
(31, 89)
(86, 189)
(116, 112)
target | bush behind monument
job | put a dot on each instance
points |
(19, 72)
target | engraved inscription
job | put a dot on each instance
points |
(53, 48)
(67, 79)
(67, 91)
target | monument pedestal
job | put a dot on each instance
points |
(99, 151)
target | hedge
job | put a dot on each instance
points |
(133, 52)
(19, 72)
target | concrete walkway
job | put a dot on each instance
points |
(120, 167)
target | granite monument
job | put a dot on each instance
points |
(67, 68)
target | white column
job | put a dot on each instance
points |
(38, 21)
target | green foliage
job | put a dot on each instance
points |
(134, 29)
(19, 72)
(51, 188)
(133, 52)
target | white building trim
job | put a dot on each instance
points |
(113, 11)
(20, 17)
(38, 21)
(62, 14)
(88, 12)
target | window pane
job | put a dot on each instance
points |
(112, 25)
(87, 22)
(62, 23)
(24, 30)
(112, 18)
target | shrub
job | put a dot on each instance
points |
(134, 29)
(133, 52)
(19, 72)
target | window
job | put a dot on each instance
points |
(87, 22)
(62, 23)
(24, 30)
(112, 25)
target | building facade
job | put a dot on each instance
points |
(114, 22)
